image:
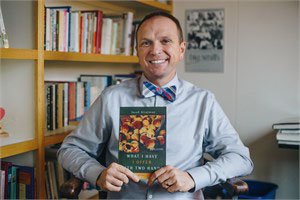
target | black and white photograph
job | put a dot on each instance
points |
(205, 40)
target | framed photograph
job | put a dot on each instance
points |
(205, 40)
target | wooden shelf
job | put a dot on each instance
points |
(22, 54)
(58, 135)
(89, 57)
(158, 5)
(18, 148)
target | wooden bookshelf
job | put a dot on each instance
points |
(39, 55)
(18, 148)
(158, 5)
(55, 139)
(24, 54)
(89, 57)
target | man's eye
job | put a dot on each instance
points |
(145, 43)
(166, 41)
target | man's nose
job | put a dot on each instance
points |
(156, 48)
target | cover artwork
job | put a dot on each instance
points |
(142, 139)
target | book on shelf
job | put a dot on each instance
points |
(55, 175)
(57, 28)
(127, 32)
(2, 184)
(287, 126)
(67, 101)
(26, 182)
(97, 84)
(6, 167)
(142, 139)
(19, 181)
(286, 142)
(3, 35)
(295, 131)
(286, 136)
(90, 31)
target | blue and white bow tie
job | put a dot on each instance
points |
(168, 93)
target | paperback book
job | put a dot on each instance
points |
(142, 139)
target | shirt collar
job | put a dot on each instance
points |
(145, 92)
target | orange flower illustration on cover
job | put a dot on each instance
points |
(142, 139)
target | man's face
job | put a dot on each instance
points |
(159, 49)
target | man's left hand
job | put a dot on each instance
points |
(172, 179)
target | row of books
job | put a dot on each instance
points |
(3, 34)
(17, 182)
(89, 31)
(55, 175)
(288, 133)
(66, 101)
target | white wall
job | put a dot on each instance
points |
(260, 85)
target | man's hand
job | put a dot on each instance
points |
(112, 178)
(172, 179)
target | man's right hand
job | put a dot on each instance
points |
(113, 177)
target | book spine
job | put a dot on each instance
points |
(60, 102)
(128, 29)
(47, 31)
(13, 185)
(2, 184)
(99, 31)
(87, 95)
(66, 106)
(6, 166)
(72, 100)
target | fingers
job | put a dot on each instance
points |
(112, 178)
(128, 173)
(172, 179)
(155, 175)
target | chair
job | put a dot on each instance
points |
(229, 189)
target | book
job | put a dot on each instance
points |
(72, 100)
(106, 35)
(97, 84)
(2, 184)
(13, 184)
(127, 32)
(6, 166)
(142, 139)
(26, 180)
(287, 126)
(287, 136)
(296, 131)
(57, 34)
(289, 142)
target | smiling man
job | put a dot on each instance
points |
(196, 125)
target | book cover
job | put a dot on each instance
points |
(142, 139)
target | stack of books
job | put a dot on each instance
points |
(288, 133)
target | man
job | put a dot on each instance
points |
(196, 124)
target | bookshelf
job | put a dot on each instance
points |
(39, 59)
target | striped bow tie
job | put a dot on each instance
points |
(168, 93)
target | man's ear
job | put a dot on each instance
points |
(182, 49)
